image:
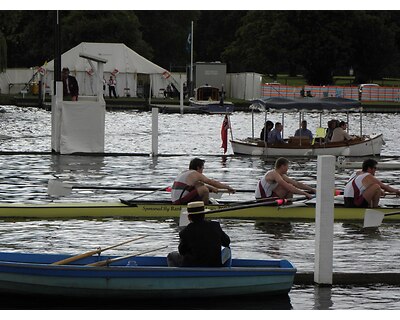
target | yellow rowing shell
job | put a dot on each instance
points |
(296, 211)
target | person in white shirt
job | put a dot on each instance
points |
(340, 134)
(363, 189)
(111, 87)
(276, 183)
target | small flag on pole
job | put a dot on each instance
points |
(224, 133)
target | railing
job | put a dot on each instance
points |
(367, 94)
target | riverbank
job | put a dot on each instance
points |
(170, 105)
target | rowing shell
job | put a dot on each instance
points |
(162, 209)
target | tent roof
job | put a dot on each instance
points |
(306, 104)
(118, 56)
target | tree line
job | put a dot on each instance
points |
(316, 44)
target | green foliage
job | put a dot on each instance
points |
(320, 45)
(3, 52)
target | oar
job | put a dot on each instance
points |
(90, 253)
(183, 221)
(57, 187)
(109, 261)
(341, 192)
(374, 218)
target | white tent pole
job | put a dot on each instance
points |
(181, 93)
(151, 82)
(191, 60)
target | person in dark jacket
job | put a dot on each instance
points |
(200, 241)
(70, 85)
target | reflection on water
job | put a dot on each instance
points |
(67, 164)
(322, 298)
(24, 178)
(230, 303)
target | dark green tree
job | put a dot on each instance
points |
(103, 26)
(214, 31)
(374, 46)
(167, 33)
(3, 52)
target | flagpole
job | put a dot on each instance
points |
(191, 60)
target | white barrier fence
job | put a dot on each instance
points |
(374, 93)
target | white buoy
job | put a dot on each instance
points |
(154, 131)
(324, 219)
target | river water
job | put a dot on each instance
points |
(24, 177)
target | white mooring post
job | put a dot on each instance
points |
(154, 131)
(324, 218)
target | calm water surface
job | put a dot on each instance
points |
(23, 179)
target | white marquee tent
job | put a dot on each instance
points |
(125, 64)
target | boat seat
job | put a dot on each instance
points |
(300, 140)
(320, 134)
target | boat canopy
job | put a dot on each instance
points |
(282, 104)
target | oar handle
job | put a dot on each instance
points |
(392, 214)
(109, 261)
(258, 204)
(90, 253)
(75, 258)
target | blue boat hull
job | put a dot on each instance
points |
(149, 278)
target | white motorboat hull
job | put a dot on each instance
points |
(366, 147)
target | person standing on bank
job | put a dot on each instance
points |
(200, 241)
(70, 85)
(111, 87)
(363, 189)
(193, 185)
(276, 183)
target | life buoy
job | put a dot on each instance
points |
(166, 74)
(89, 72)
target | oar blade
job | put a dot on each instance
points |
(183, 218)
(57, 188)
(373, 218)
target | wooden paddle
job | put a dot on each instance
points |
(107, 262)
(184, 222)
(90, 253)
(374, 218)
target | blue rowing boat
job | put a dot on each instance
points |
(140, 277)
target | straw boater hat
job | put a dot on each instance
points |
(196, 207)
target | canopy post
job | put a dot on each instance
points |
(252, 124)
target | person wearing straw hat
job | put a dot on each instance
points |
(200, 241)
(193, 185)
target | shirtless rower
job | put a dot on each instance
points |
(276, 183)
(192, 185)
